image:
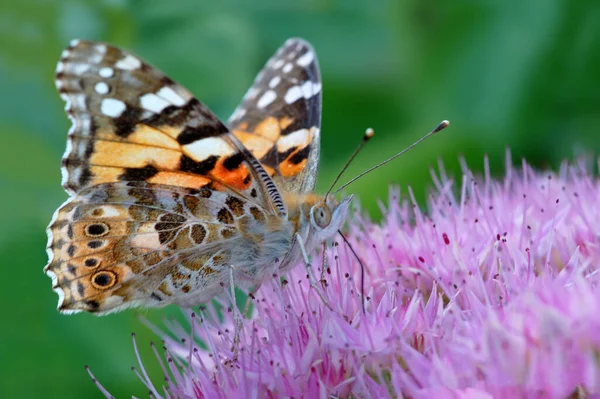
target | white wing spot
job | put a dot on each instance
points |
(128, 63)
(107, 211)
(64, 54)
(146, 240)
(307, 90)
(106, 72)
(298, 138)
(60, 67)
(310, 89)
(171, 96)
(293, 94)
(146, 236)
(274, 82)
(68, 149)
(200, 150)
(74, 42)
(112, 107)
(65, 175)
(278, 64)
(101, 88)
(153, 103)
(266, 99)
(317, 87)
(287, 68)
(306, 59)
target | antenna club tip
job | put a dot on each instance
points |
(443, 124)
(369, 133)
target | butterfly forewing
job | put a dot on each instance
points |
(279, 119)
(132, 123)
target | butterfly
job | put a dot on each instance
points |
(167, 203)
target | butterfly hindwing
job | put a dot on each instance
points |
(279, 119)
(132, 123)
(122, 244)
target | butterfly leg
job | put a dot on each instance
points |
(311, 277)
(253, 290)
(324, 264)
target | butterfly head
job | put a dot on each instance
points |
(328, 215)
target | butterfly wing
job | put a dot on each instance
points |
(279, 119)
(132, 123)
(117, 245)
(159, 187)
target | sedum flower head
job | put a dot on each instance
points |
(491, 293)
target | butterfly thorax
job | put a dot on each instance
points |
(299, 206)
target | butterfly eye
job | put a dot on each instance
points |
(321, 216)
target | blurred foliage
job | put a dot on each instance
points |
(518, 74)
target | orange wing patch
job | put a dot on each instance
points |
(160, 137)
(130, 155)
(179, 179)
(259, 146)
(148, 154)
(270, 129)
(233, 173)
(294, 149)
(287, 154)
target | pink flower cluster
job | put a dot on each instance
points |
(493, 293)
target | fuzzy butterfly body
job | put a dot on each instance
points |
(166, 200)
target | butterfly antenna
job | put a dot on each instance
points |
(443, 124)
(368, 134)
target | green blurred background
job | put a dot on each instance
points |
(518, 74)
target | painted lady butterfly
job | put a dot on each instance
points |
(167, 201)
